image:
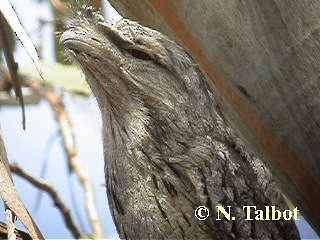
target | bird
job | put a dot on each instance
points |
(168, 149)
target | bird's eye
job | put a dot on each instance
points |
(139, 54)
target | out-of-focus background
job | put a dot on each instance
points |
(39, 149)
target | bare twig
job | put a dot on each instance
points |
(48, 92)
(10, 224)
(19, 234)
(12, 66)
(45, 186)
(11, 197)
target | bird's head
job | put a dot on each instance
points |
(134, 72)
(124, 61)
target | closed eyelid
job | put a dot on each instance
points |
(114, 33)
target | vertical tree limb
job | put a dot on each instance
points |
(66, 130)
(12, 66)
(10, 224)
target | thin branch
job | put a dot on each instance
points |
(20, 235)
(48, 92)
(10, 218)
(45, 186)
(11, 197)
(12, 66)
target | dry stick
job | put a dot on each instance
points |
(10, 218)
(10, 196)
(45, 186)
(20, 235)
(12, 66)
(48, 92)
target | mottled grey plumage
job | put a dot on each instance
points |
(168, 149)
